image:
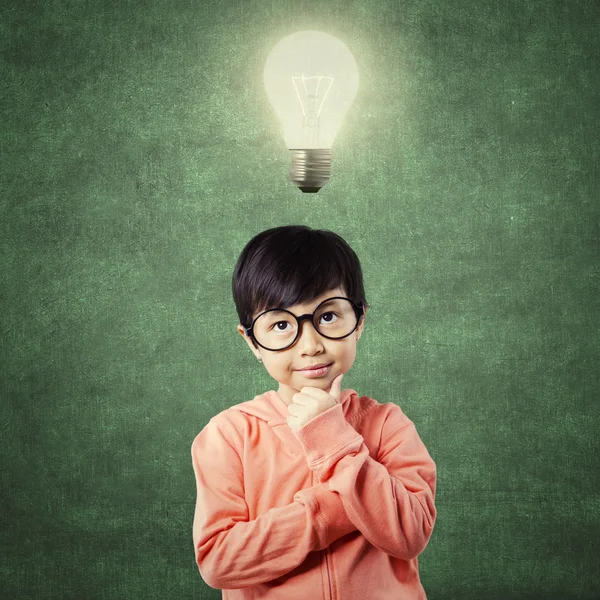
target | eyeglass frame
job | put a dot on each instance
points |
(306, 316)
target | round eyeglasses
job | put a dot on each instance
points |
(277, 329)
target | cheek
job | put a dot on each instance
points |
(279, 366)
(349, 353)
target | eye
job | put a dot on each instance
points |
(329, 313)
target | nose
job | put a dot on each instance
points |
(308, 336)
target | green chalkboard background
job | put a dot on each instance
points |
(140, 154)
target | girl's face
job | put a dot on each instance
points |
(310, 348)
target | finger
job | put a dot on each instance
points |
(336, 388)
(292, 409)
(307, 395)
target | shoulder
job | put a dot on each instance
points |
(218, 427)
(239, 421)
(367, 405)
(382, 419)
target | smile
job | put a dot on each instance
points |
(315, 372)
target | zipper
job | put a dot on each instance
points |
(328, 575)
(325, 552)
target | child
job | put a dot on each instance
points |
(311, 491)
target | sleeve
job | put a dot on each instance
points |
(391, 500)
(234, 552)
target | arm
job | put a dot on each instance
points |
(391, 499)
(234, 552)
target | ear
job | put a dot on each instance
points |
(247, 339)
(360, 327)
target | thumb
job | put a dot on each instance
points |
(336, 388)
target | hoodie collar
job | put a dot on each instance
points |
(271, 408)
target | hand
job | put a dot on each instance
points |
(311, 401)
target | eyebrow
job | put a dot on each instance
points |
(317, 302)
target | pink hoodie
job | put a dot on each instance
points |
(339, 509)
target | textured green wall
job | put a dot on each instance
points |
(140, 154)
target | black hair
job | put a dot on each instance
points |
(293, 264)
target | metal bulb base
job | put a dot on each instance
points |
(311, 168)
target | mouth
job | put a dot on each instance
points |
(316, 372)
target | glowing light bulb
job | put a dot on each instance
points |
(311, 80)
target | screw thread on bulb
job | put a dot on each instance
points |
(311, 168)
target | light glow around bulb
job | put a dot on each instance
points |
(311, 79)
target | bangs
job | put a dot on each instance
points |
(297, 276)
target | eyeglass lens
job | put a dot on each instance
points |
(277, 329)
